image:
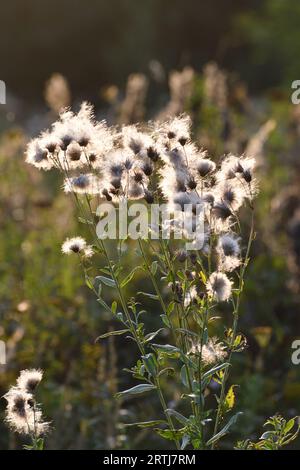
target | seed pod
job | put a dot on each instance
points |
(83, 141)
(92, 157)
(74, 152)
(51, 146)
(66, 140)
(222, 211)
(138, 177)
(152, 154)
(106, 194)
(147, 169)
(247, 176)
(182, 140)
(171, 135)
(192, 183)
(116, 182)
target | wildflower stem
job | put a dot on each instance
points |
(181, 320)
(234, 326)
(152, 277)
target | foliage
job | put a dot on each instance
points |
(281, 434)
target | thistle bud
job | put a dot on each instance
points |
(152, 154)
(147, 169)
(182, 140)
(106, 194)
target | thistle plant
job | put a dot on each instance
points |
(200, 264)
(23, 413)
(280, 434)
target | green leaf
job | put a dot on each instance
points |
(181, 275)
(106, 280)
(152, 335)
(289, 425)
(184, 376)
(165, 320)
(146, 424)
(153, 267)
(170, 435)
(170, 308)
(150, 363)
(105, 271)
(89, 283)
(40, 443)
(185, 441)
(267, 435)
(166, 347)
(182, 419)
(112, 333)
(137, 390)
(151, 296)
(212, 371)
(129, 277)
(104, 304)
(166, 370)
(187, 332)
(225, 430)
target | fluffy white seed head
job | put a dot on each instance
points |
(177, 129)
(38, 156)
(23, 414)
(212, 352)
(219, 286)
(29, 379)
(228, 250)
(77, 245)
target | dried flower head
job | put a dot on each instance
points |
(38, 155)
(29, 379)
(23, 414)
(77, 245)
(219, 286)
(212, 352)
(190, 296)
(228, 250)
(177, 128)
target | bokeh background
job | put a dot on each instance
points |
(230, 64)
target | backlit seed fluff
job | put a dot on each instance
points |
(23, 414)
(228, 250)
(205, 166)
(190, 296)
(219, 286)
(211, 353)
(178, 128)
(77, 245)
(29, 379)
(228, 245)
(37, 156)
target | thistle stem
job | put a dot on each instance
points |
(234, 327)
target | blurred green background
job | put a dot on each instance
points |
(122, 55)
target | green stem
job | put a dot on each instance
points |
(234, 326)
